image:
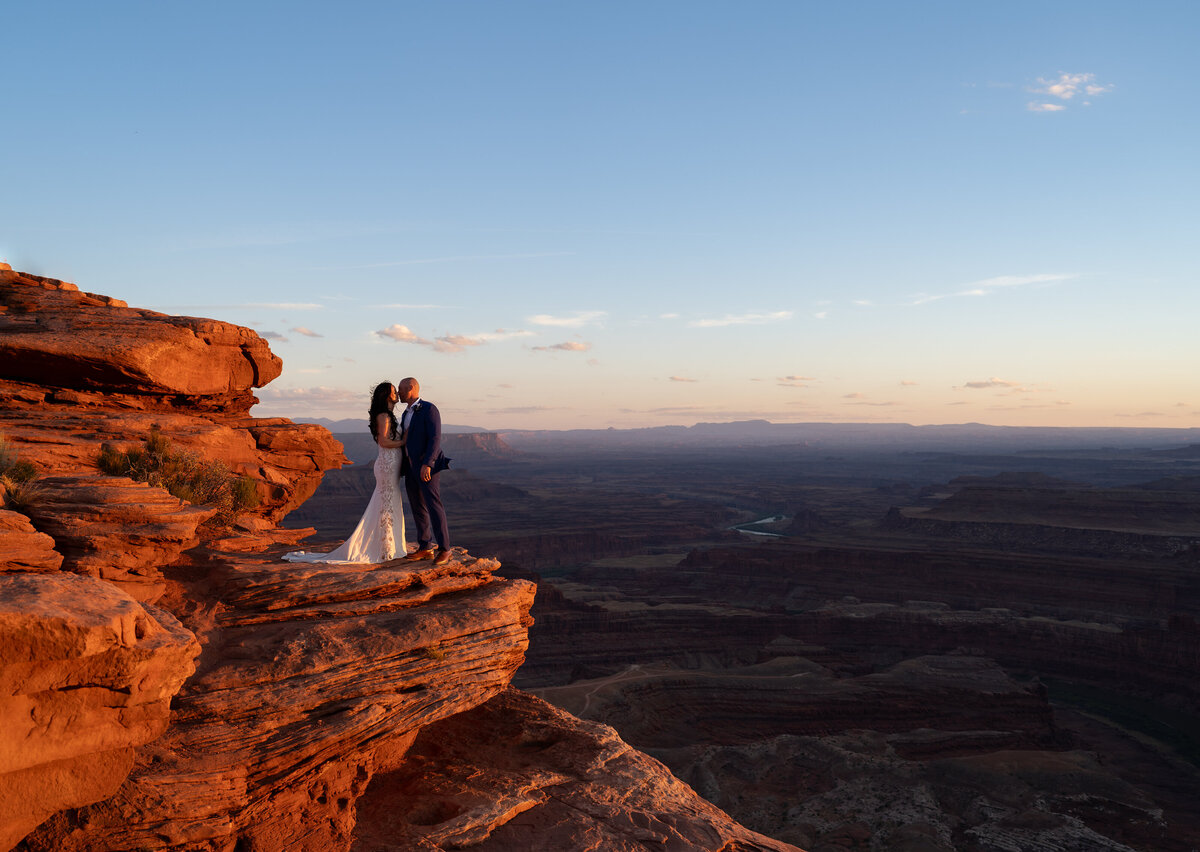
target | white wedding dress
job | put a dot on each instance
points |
(379, 536)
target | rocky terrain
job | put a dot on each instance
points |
(168, 683)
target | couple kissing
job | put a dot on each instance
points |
(410, 448)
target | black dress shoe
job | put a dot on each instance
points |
(443, 556)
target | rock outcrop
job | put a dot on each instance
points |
(23, 548)
(116, 529)
(310, 677)
(105, 372)
(86, 675)
(58, 339)
(518, 774)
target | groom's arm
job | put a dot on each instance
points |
(433, 440)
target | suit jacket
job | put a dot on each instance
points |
(424, 440)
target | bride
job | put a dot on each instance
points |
(379, 536)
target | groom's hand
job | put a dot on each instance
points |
(426, 472)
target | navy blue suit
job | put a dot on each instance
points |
(423, 446)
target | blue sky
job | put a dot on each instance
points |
(561, 215)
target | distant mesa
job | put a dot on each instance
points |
(1016, 479)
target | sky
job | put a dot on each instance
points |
(622, 214)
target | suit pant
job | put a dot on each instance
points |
(429, 517)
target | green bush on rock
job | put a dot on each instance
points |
(183, 474)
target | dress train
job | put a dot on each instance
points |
(379, 535)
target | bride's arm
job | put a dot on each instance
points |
(382, 425)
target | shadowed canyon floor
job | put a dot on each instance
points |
(973, 645)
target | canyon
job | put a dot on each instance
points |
(167, 682)
(729, 637)
(943, 640)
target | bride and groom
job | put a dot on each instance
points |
(410, 448)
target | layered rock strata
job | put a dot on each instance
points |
(23, 548)
(518, 774)
(116, 529)
(105, 372)
(86, 676)
(311, 677)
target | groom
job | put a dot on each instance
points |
(422, 461)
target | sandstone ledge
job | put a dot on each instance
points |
(23, 548)
(518, 775)
(293, 706)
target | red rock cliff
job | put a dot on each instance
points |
(165, 685)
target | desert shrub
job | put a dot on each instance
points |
(20, 496)
(21, 471)
(12, 466)
(111, 460)
(19, 491)
(245, 492)
(182, 473)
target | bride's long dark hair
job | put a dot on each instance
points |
(380, 397)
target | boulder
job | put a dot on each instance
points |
(86, 675)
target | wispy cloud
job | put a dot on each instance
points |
(679, 379)
(1065, 87)
(272, 335)
(794, 381)
(456, 343)
(307, 332)
(575, 320)
(907, 384)
(991, 383)
(503, 334)
(855, 395)
(316, 395)
(252, 306)
(447, 343)
(742, 319)
(409, 307)
(403, 334)
(450, 259)
(989, 285)
(567, 346)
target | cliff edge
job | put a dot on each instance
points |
(168, 683)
